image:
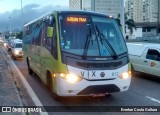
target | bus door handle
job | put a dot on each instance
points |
(145, 61)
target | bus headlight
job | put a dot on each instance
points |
(125, 75)
(5, 44)
(16, 52)
(72, 78)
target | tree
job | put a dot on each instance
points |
(129, 22)
(131, 25)
(118, 21)
(19, 35)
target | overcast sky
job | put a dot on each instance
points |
(31, 10)
(9, 5)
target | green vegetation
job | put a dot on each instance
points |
(19, 35)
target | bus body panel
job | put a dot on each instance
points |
(74, 89)
(42, 61)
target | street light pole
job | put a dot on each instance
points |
(22, 15)
(122, 17)
(158, 18)
(9, 26)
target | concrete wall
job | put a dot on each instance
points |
(153, 32)
(137, 32)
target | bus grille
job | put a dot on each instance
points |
(100, 65)
(111, 88)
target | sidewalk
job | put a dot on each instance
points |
(9, 95)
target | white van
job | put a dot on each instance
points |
(145, 57)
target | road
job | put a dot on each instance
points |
(144, 91)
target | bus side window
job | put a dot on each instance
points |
(54, 41)
(50, 43)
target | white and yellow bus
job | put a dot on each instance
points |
(77, 53)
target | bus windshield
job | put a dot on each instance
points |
(90, 35)
(18, 45)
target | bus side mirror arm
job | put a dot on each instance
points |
(50, 32)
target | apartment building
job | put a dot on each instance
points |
(75, 4)
(143, 10)
(109, 7)
(133, 9)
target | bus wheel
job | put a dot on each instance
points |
(132, 70)
(29, 69)
(14, 58)
(50, 86)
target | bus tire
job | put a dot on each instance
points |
(50, 86)
(14, 58)
(30, 71)
(132, 70)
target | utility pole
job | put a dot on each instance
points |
(122, 17)
(9, 26)
(22, 14)
(158, 19)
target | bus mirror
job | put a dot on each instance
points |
(49, 32)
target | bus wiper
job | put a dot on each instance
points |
(87, 44)
(104, 41)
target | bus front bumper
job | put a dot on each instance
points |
(89, 88)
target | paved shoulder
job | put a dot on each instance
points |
(9, 95)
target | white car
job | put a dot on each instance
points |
(145, 57)
(17, 50)
(1, 40)
(11, 44)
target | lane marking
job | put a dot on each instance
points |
(30, 91)
(153, 99)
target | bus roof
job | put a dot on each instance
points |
(44, 16)
(137, 48)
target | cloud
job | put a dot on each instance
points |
(30, 12)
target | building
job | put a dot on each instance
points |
(133, 9)
(109, 7)
(151, 10)
(143, 10)
(114, 8)
(75, 4)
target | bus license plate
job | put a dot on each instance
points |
(99, 95)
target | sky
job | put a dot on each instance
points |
(11, 16)
(9, 5)
(31, 9)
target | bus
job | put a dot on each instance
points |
(77, 53)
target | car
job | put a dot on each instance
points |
(5, 44)
(17, 50)
(145, 58)
(11, 42)
(1, 40)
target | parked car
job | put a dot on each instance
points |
(145, 57)
(17, 50)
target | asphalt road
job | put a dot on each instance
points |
(144, 91)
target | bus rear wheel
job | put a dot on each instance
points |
(50, 86)
(30, 71)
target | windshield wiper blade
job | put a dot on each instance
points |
(87, 44)
(104, 40)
